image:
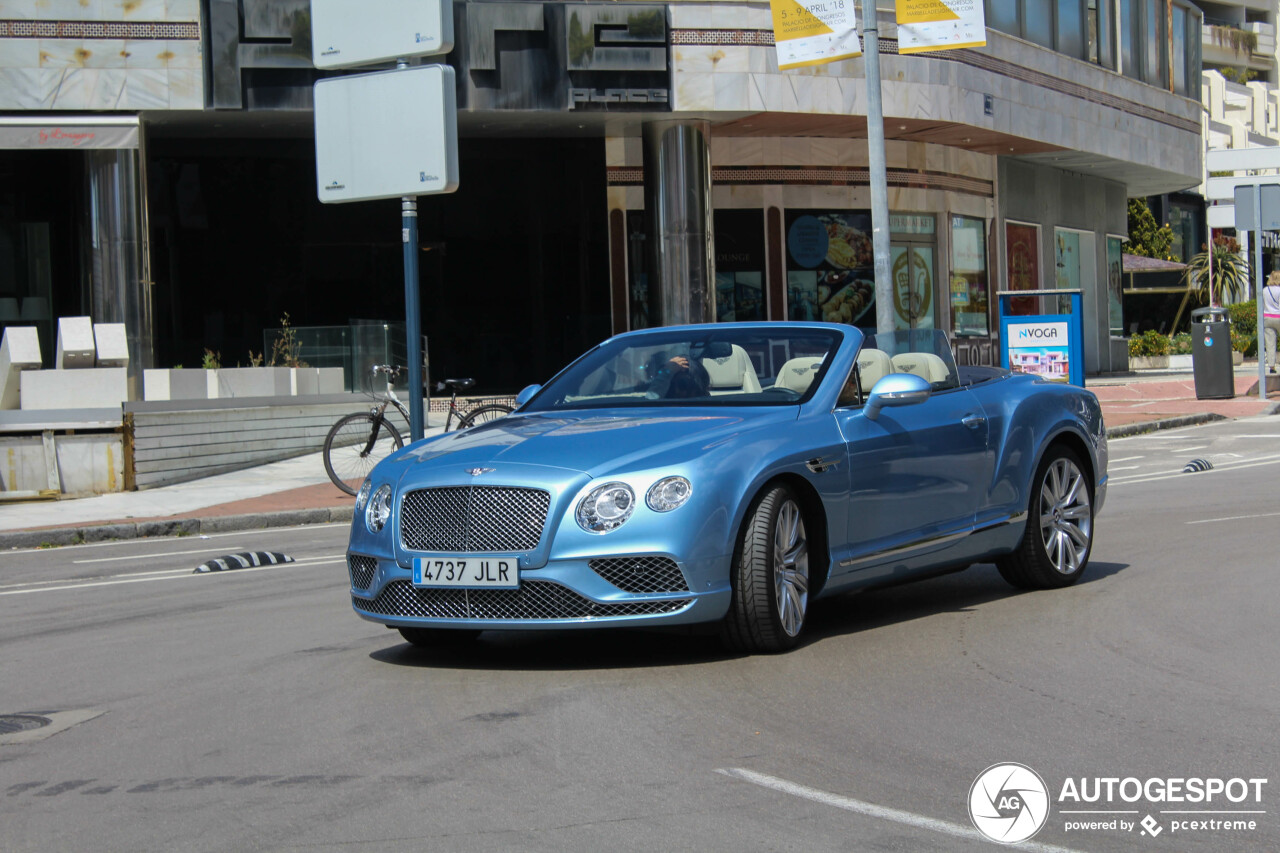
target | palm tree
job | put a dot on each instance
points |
(1227, 281)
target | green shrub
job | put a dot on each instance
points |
(1181, 344)
(1149, 343)
(1244, 327)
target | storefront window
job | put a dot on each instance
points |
(830, 267)
(1022, 250)
(969, 293)
(1066, 265)
(1115, 278)
(739, 265)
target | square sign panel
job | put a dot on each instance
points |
(346, 33)
(388, 134)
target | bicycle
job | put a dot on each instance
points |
(361, 440)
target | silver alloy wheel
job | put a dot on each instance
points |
(1066, 518)
(790, 568)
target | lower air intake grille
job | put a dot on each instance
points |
(533, 600)
(362, 570)
(641, 574)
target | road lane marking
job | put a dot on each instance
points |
(1129, 459)
(171, 574)
(872, 810)
(1111, 468)
(1224, 466)
(1233, 518)
(146, 556)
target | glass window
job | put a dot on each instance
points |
(1099, 32)
(969, 292)
(1002, 15)
(1179, 50)
(739, 265)
(1071, 28)
(1022, 248)
(1038, 23)
(1193, 56)
(1155, 69)
(830, 268)
(1115, 277)
(1128, 39)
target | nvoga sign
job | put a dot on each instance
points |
(1047, 345)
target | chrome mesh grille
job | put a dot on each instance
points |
(533, 600)
(473, 519)
(641, 574)
(362, 569)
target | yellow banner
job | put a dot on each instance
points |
(925, 25)
(813, 32)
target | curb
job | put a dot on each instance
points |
(52, 536)
(1165, 423)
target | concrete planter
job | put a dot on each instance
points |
(201, 384)
(1148, 362)
(193, 383)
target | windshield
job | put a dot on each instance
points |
(702, 365)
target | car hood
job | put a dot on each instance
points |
(591, 444)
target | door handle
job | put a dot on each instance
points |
(973, 421)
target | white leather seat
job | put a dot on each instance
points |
(926, 365)
(797, 374)
(873, 365)
(730, 370)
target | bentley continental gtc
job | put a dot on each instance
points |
(729, 475)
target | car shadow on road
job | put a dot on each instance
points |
(619, 648)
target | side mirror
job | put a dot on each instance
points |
(898, 389)
(526, 394)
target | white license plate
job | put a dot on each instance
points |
(467, 571)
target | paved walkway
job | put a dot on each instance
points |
(297, 491)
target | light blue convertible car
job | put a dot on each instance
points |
(729, 474)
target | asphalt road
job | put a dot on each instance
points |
(251, 710)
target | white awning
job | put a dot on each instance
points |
(36, 132)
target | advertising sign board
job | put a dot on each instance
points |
(814, 32)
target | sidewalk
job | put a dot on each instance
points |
(297, 491)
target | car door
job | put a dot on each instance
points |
(918, 474)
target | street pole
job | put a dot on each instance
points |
(1255, 237)
(412, 313)
(876, 163)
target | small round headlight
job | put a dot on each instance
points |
(379, 509)
(362, 496)
(606, 507)
(668, 493)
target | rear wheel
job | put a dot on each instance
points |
(439, 638)
(351, 449)
(770, 576)
(483, 414)
(1059, 537)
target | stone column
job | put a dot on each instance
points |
(677, 201)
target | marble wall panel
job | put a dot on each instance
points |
(104, 53)
(28, 88)
(695, 92)
(19, 53)
(134, 10)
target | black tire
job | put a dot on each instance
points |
(439, 638)
(484, 414)
(1055, 547)
(345, 456)
(770, 576)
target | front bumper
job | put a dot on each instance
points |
(561, 594)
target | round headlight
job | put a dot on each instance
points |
(362, 496)
(606, 508)
(379, 509)
(668, 493)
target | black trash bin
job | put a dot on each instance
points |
(1211, 360)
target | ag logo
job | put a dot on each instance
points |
(1008, 803)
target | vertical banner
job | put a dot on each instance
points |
(940, 25)
(814, 32)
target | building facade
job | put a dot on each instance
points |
(621, 165)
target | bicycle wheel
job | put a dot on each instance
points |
(351, 449)
(484, 414)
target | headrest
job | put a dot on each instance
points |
(718, 349)
(926, 365)
(797, 374)
(730, 370)
(873, 365)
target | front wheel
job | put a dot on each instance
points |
(1055, 547)
(484, 414)
(354, 445)
(770, 576)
